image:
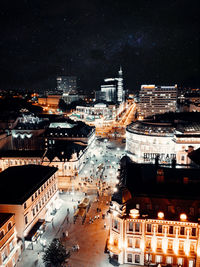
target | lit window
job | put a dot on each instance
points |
(130, 242)
(137, 243)
(180, 261)
(11, 246)
(158, 258)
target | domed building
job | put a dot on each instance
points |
(163, 139)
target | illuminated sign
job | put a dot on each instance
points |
(162, 156)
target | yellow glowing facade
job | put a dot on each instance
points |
(142, 240)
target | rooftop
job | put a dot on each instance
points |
(64, 150)
(20, 182)
(160, 181)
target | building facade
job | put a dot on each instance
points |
(139, 239)
(157, 99)
(99, 114)
(9, 247)
(154, 216)
(145, 140)
(66, 84)
(32, 203)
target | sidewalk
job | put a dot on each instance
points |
(53, 230)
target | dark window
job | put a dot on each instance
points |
(26, 219)
(24, 205)
(130, 226)
(159, 228)
(38, 191)
(32, 198)
(36, 194)
(182, 231)
(10, 226)
(1, 235)
(137, 258)
(193, 231)
(37, 208)
(33, 212)
(149, 228)
(137, 227)
(171, 230)
(192, 211)
(129, 258)
(115, 224)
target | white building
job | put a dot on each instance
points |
(98, 115)
(146, 140)
(31, 193)
(157, 99)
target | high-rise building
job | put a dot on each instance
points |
(113, 91)
(110, 92)
(120, 87)
(157, 99)
(66, 84)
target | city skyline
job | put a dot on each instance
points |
(155, 42)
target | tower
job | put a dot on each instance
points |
(120, 86)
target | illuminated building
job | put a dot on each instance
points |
(51, 101)
(157, 99)
(154, 217)
(9, 247)
(31, 193)
(68, 130)
(113, 90)
(69, 158)
(69, 98)
(98, 114)
(9, 158)
(168, 139)
(27, 133)
(66, 84)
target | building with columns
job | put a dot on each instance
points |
(154, 216)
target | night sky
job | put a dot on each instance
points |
(154, 41)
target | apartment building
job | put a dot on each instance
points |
(9, 247)
(157, 99)
(31, 193)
